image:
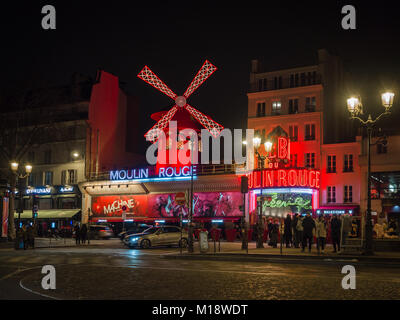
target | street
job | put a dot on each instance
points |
(114, 272)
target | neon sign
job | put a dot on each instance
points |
(38, 191)
(67, 189)
(164, 174)
(284, 178)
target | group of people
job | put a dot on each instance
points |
(80, 233)
(25, 237)
(300, 231)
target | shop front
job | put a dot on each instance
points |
(280, 192)
(144, 196)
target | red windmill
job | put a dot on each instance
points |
(181, 111)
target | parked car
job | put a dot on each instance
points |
(100, 232)
(157, 236)
(137, 229)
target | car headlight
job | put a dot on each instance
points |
(134, 239)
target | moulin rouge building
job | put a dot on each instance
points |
(305, 169)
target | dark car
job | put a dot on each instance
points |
(137, 229)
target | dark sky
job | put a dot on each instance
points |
(174, 38)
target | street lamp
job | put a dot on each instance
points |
(17, 176)
(261, 160)
(355, 108)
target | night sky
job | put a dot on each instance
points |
(174, 39)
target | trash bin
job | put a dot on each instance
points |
(203, 237)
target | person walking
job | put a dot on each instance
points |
(299, 230)
(25, 236)
(77, 231)
(335, 233)
(308, 232)
(30, 237)
(273, 241)
(320, 233)
(287, 231)
(294, 230)
(83, 233)
(346, 220)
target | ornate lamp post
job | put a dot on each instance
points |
(261, 159)
(355, 108)
(17, 176)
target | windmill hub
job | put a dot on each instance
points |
(180, 101)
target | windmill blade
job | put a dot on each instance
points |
(213, 127)
(149, 76)
(152, 134)
(206, 70)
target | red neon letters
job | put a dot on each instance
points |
(284, 178)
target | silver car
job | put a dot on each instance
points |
(158, 236)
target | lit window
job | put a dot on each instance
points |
(276, 107)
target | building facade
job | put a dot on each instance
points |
(305, 103)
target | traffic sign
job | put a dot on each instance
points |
(180, 198)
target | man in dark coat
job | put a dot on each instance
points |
(287, 233)
(295, 233)
(83, 233)
(335, 232)
(308, 229)
(77, 231)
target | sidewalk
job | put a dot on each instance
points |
(232, 251)
(52, 243)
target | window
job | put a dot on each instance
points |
(303, 79)
(331, 194)
(381, 148)
(310, 132)
(48, 178)
(45, 203)
(348, 163)
(310, 104)
(296, 80)
(32, 179)
(72, 176)
(314, 75)
(310, 160)
(331, 164)
(293, 160)
(293, 133)
(64, 177)
(309, 78)
(47, 157)
(67, 203)
(293, 106)
(348, 194)
(262, 84)
(291, 81)
(261, 109)
(276, 107)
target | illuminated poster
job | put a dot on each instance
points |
(281, 204)
(206, 204)
(4, 224)
(113, 206)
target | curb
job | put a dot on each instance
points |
(381, 262)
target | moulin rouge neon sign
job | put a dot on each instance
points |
(180, 173)
(284, 178)
(279, 174)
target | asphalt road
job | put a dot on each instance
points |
(114, 272)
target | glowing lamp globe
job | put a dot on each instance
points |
(387, 99)
(353, 105)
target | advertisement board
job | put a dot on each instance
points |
(206, 204)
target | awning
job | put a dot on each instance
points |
(49, 214)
